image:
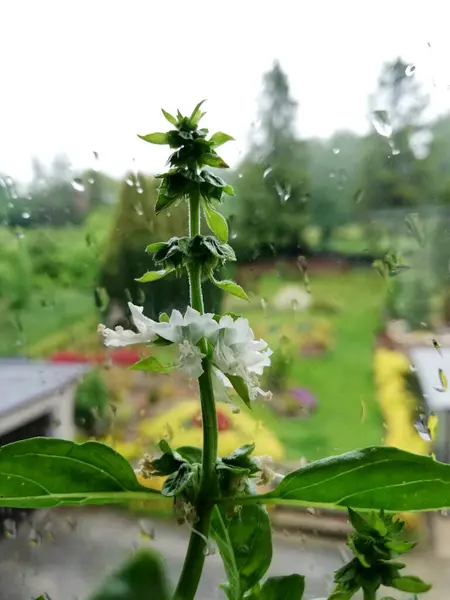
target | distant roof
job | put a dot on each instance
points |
(24, 381)
(427, 362)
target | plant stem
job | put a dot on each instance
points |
(195, 557)
(369, 594)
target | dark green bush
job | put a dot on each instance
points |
(91, 404)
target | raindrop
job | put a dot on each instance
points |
(129, 181)
(412, 368)
(410, 70)
(25, 215)
(139, 190)
(422, 428)
(95, 166)
(34, 537)
(240, 175)
(332, 174)
(139, 210)
(267, 171)
(147, 529)
(306, 197)
(395, 150)
(91, 180)
(77, 184)
(13, 193)
(10, 205)
(234, 236)
(336, 150)
(20, 235)
(8, 181)
(10, 529)
(381, 122)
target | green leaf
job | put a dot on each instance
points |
(163, 317)
(216, 222)
(155, 138)
(240, 387)
(220, 138)
(286, 587)
(43, 472)
(153, 275)
(163, 202)
(374, 478)
(133, 580)
(245, 545)
(213, 160)
(410, 583)
(177, 482)
(228, 189)
(169, 117)
(191, 454)
(229, 286)
(196, 113)
(155, 247)
(152, 365)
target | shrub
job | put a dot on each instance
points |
(91, 404)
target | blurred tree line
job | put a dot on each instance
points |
(285, 187)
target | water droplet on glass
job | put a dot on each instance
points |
(306, 197)
(10, 205)
(422, 429)
(381, 122)
(233, 236)
(332, 174)
(91, 180)
(96, 165)
(147, 529)
(267, 171)
(20, 235)
(129, 181)
(77, 185)
(10, 529)
(412, 368)
(410, 70)
(240, 175)
(139, 190)
(34, 537)
(25, 215)
(336, 150)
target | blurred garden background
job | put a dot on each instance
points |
(342, 244)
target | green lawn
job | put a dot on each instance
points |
(347, 416)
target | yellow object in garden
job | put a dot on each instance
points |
(396, 402)
(181, 425)
(398, 406)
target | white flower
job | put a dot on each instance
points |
(268, 475)
(236, 352)
(124, 337)
(191, 327)
(190, 359)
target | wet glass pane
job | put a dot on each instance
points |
(340, 223)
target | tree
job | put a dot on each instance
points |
(334, 171)
(270, 190)
(393, 177)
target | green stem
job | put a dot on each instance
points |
(195, 556)
(369, 594)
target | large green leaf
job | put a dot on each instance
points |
(216, 222)
(142, 576)
(229, 286)
(245, 544)
(152, 365)
(155, 138)
(153, 275)
(285, 587)
(43, 472)
(370, 479)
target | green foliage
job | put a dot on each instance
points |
(45, 472)
(92, 404)
(245, 545)
(132, 581)
(270, 211)
(286, 587)
(375, 546)
(369, 479)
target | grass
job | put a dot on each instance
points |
(347, 416)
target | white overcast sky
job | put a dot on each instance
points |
(84, 75)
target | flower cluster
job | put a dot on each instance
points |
(238, 359)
